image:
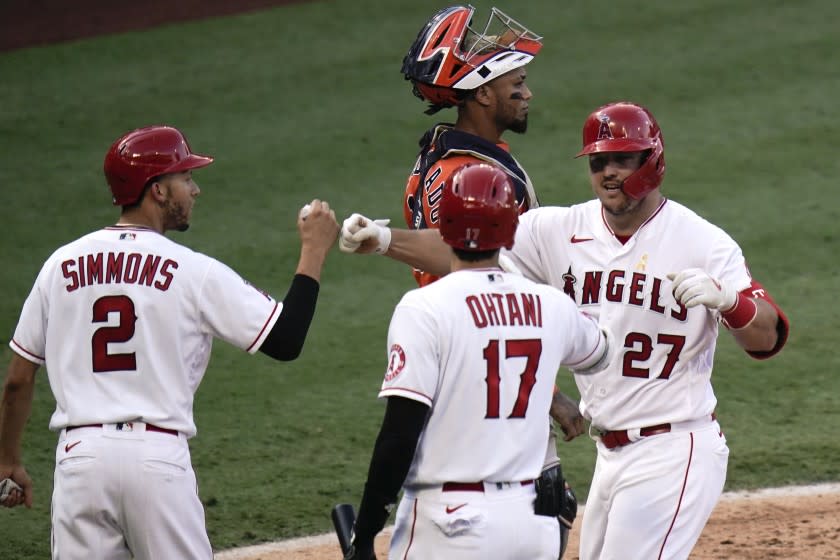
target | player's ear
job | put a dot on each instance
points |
(484, 95)
(157, 189)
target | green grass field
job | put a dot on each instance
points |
(307, 101)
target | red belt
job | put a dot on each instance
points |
(618, 438)
(473, 486)
(149, 428)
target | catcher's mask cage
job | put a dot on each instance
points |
(478, 210)
(627, 127)
(450, 57)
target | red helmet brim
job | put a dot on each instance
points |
(618, 145)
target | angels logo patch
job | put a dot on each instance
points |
(569, 281)
(604, 132)
(396, 362)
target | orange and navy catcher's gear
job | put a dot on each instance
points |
(443, 150)
(478, 210)
(627, 127)
(449, 55)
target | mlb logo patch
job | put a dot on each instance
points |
(127, 236)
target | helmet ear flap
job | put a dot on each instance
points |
(649, 175)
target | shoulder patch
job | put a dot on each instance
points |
(396, 362)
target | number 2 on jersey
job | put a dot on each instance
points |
(122, 332)
(531, 349)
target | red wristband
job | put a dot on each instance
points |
(741, 314)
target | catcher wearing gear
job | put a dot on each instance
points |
(481, 72)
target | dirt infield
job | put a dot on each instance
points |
(791, 524)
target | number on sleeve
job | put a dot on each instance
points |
(122, 332)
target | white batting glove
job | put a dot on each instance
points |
(357, 229)
(507, 265)
(693, 286)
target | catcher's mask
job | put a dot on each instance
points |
(143, 154)
(449, 57)
(478, 209)
(627, 127)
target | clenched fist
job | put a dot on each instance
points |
(363, 235)
(693, 286)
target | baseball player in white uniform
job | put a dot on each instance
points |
(661, 279)
(124, 319)
(472, 360)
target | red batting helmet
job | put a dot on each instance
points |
(142, 154)
(627, 127)
(449, 55)
(478, 210)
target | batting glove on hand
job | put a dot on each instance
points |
(693, 287)
(363, 235)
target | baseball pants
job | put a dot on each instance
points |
(123, 492)
(497, 523)
(654, 496)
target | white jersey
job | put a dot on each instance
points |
(482, 349)
(663, 369)
(124, 320)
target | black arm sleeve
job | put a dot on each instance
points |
(392, 456)
(286, 338)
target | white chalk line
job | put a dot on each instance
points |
(330, 538)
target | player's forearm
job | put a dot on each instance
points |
(423, 249)
(15, 408)
(311, 262)
(761, 334)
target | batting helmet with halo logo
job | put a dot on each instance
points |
(627, 127)
(139, 156)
